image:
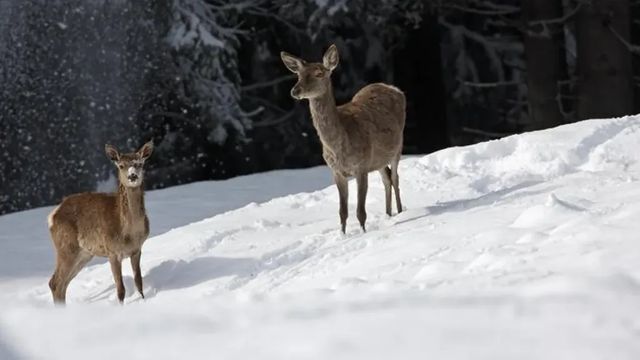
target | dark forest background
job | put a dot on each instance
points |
(204, 80)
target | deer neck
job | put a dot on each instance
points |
(324, 113)
(131, 201)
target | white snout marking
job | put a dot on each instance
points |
(131, 171)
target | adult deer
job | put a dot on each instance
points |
(96, 224)
(360, 136)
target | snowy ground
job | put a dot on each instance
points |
(522, 248)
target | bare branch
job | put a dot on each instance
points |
(275, 121)
(267, 83)
(494, 44)
(481, 8)
(565, 114)
(488, 134)
(255, 112)
(493, 47)
(562, 20)
(492, 5)
(172, 115)
(560, 98)
(546, 23)
(489, 84)
(570, 81)
(634, 49)
(479, 11)
(280, 19)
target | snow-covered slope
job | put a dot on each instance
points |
(525, 247)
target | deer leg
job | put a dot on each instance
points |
(363, 183)
(116, 270)
(57, 283)
(343, 192)
(385, 174)
(395, 181)
(137, 275)
(68, 265)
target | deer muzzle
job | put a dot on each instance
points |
(132, 175)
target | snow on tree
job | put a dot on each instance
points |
(205, 36)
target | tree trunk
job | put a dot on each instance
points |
(604, 63)
(544, 53)
(418, 72)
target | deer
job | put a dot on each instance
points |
(111, 225)
(357, 137)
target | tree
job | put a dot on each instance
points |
(205, 37)
(545, 61)
(418, 72)
(484, 69)
(605, 73)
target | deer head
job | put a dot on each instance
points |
(314, 79)
(130, 165)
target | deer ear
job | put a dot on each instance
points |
(330, 58)
(294, 64)
(112, 152)
(146, 150)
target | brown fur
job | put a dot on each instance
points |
(360, 136)
(96, 224)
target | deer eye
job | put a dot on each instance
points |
(318, 74)
(121, 166)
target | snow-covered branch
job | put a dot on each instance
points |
(205, 35)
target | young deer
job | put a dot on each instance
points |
(357, 137)
(110, 225)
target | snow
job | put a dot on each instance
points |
(524, 247)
